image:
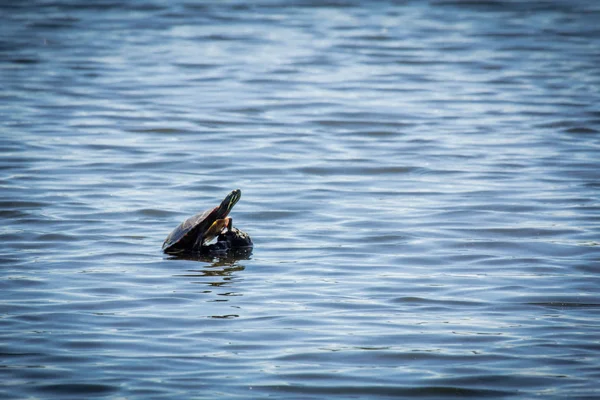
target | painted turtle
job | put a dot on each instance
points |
(196, 231)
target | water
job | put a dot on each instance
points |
(420, 180)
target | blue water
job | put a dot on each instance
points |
(420, 180)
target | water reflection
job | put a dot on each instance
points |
(224, 271)
(215, 258)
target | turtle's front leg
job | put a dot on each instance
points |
(229, 224)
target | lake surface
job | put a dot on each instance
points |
(421, 181)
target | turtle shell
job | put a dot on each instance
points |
(185, 235)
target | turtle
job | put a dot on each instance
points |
(196, 231)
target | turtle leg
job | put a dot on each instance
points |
(214, 231)
(198, 243)
(229, 224)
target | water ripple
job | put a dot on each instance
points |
(420, 181)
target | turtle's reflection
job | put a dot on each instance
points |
(225, 271)
(216, 259)
(218, 274)
(218, 281)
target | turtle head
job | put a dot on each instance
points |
(228, 203)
